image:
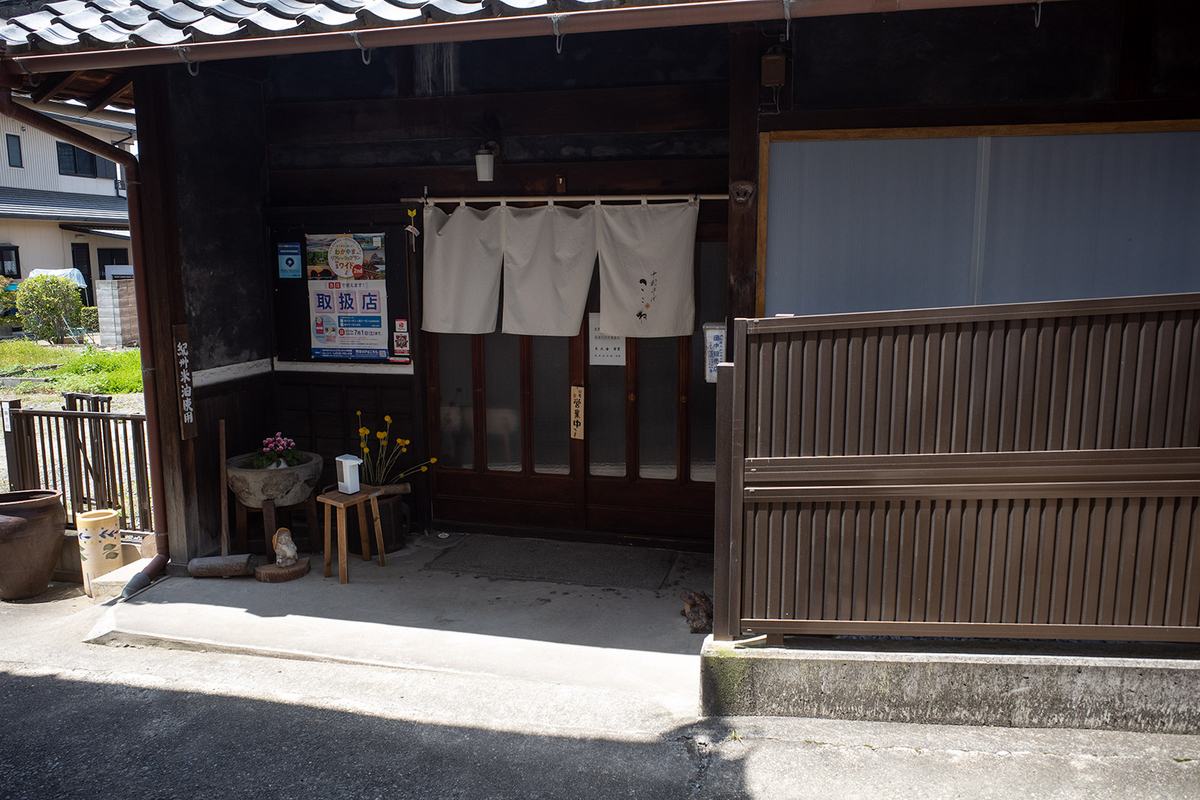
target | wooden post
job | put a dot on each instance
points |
(11, 449)
(722, 535)
(744, 66)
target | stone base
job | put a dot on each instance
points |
(1150, 688)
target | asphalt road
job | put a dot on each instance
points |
(101, 722)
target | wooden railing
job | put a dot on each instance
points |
(1009, 471)
(96, 459)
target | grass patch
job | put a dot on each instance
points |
(70, 369)
(100, 372)
(22, 353)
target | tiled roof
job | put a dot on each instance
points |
(65, 206)
(74, 25)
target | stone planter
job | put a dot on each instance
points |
(31, 538)
(283, 487)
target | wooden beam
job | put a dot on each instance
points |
(744, 54)
(379, 185)
(118, 84)
(52, 86)
(642, 109)
(1056, 129)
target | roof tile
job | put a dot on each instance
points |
(265, 23)
(109, 6)
(35, 21)
(55, 36)
(288, 9)
(213, 28)
(129, 18)
(157, 32)
(14, 35)
(154, 5)
(232, 10)
(322, 18)
(509, 8)
(447, 10)
(82, 20)
(384, 13)
(178, 15)
(106, 34)
(66, 7)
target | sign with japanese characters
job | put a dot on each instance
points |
(714, 349)
(290, 260)
(576, 412)
(347, 256)
(605, 349)
(183, 381)
(348, 320)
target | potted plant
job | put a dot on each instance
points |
(382, 468)
(277, 472)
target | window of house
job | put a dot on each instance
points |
(10, 261)
(73, 161)
(14, 150)
(109, 256)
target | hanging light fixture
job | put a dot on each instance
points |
(485, 161)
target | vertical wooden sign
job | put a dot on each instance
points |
(183, 381)
(576, 412)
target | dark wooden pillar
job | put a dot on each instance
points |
(164, 284)
(744, 65)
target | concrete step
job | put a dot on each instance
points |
(109, 586)
(1153, 688)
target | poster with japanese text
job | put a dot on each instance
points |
(346, 256)
(347, 319)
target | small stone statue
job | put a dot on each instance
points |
(285, 548)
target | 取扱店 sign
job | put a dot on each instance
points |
(347, 296)
(347, 319)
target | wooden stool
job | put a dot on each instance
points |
(341, 502)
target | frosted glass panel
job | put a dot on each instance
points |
(502, 389)
(551, 406)
(605, 410)
(658, 407)
(1073, 217)
(711, 261)
(456, 414)
(870, 225)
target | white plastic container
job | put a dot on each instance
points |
(347, 473)
(99, 545)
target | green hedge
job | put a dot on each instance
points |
(89, 317)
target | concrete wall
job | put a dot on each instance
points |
(118, 313)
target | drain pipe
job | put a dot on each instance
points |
(133, 184)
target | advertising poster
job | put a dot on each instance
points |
(289, 260)
(348, 319)
(345, 256)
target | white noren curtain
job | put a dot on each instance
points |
(549, 255)
(462, 270)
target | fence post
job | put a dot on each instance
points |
(15, 470)
(723, 533)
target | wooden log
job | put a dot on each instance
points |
(221, 566)
(273, 573)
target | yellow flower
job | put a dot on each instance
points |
(387, 419)
(433, 461)
(424, 469)
(366, 449)
(363, 431)
(359, 413)
(380, 435)
(403, 449)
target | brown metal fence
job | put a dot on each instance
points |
(1029, 470)
(96, 459)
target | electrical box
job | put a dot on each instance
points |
(774, 69)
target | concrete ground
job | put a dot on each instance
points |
(457, 686)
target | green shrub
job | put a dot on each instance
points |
(50, 305)
(89, 318)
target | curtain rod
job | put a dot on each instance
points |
(567, 198)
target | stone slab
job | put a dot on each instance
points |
(1154, 689)
(110, 585)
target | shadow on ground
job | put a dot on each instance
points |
(68, 739)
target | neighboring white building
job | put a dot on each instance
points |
(61, 206)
